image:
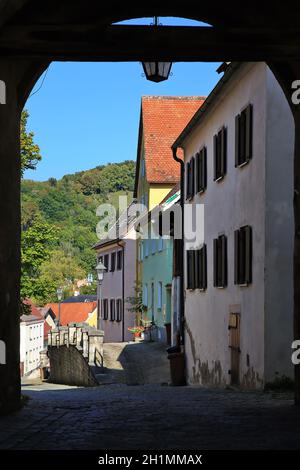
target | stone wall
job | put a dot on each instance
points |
(75, 353)
(69, 367)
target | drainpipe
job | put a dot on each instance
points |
(123, 291)
(182, 305)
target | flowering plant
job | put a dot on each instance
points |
(136, 329)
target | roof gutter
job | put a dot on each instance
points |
(182, 305)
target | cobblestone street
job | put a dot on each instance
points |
(150, 417)
(136, 409)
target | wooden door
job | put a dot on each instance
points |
(234, 345)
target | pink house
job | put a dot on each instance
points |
(119, 256)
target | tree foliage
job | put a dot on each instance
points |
(30, 151)
(59, 221)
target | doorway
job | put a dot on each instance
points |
(234, 346)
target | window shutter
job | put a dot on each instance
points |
(192, 173)
(215, 262)
(237, 139)
(236, 256)
(223, 150)
(204, 168)
(198, 172)
(187, 179)
(204, 267)
(197, 269)
(215, 157)
(248, 254)
(190, 269)
(249, 132)
(224, 261)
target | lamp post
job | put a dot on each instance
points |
(157, 71)
(59, 294)
(100, 268)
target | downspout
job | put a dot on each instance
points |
(123, 291)
(182, 305)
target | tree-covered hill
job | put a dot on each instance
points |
(62, 214)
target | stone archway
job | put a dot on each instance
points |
(32, 36)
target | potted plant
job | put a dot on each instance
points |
(136, 331)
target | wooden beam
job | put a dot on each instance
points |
(134, 43)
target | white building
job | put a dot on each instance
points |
(238, 284)
(118, 253)
(31, 343)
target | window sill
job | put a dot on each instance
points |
(219, 179)
(241, 165)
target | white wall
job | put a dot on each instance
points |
(239, 199)
(279, 233)
(112, 289)
(31, 343)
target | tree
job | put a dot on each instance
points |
(30, 152)
(37, 242)
(59, 270)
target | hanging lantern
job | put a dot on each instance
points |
(157, 71)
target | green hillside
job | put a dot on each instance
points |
(61, 216)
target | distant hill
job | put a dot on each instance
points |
(70, 203)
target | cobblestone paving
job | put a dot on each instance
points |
(150, 417)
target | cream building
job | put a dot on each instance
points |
(238, 282)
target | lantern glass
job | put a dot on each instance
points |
(157, 71)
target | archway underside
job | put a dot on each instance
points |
(32, 35)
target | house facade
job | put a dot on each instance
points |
(31, 340)
(156, 256)
(118, 285)
(238, 153)
(162, 118)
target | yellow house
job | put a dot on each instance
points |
(162, 119)
(92, 318)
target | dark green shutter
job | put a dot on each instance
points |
(215, 262)
(224, 261)
(237, 139)
(249, 132)
(215, 157)
(236, 256)
(223, 151)
(248, 255)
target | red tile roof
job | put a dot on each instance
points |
(162, 120)
(73, 312)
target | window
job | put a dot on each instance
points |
(112, 309)
(100, 259)
(177, 257)
(201, 268)
(119, 310)
(201, 170)
(190, 254)
(160, 244)
(119, 260)
(220, 261)
(145, 295)
(153, 246)
(243, 256)
(220, 154)
(159, 295)
(243, 136)
(106, 261)
(190, 178)
(113, 261)
(105, 309)
(146, 242)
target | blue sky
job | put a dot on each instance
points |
(87, 114)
